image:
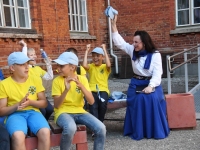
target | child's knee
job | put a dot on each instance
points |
(71, 129)
(43, 132)
(18, 137)
(101, 130)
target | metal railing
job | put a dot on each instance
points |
(170, 59)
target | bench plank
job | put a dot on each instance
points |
(80, 138)
(116, 105)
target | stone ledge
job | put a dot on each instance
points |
(185, 30)
(13, 35)
(82, 36)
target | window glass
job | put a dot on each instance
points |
(183, 17)
(77, 15)
(187, 12)
(8, 2)
(83, 23)
(0, 20)
(182, 4)
(22, 3)
(23, 17)
(196, 3)
(197, 15)
(9, 17)
(82, 8)
(14, 13)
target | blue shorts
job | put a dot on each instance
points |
(21, 121)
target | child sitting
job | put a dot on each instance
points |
(38, 71)
(68, 90)
(21, 102)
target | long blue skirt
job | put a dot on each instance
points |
(145, 113)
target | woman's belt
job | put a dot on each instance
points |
(140, 77)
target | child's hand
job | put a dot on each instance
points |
(67, 83)
(78, 83)
(88, 47)
(21, 106)
(103, 46)
(22, 43)
(26, 103)
(24, 99)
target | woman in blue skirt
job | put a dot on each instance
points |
(146, 105)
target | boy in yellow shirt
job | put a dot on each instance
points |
(98, 79)
(38, 71)
(21, 96)
(68, 90)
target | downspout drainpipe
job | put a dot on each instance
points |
(111, 45)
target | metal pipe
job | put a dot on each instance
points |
(186, 71)
(198, 62)
(111, 44)
(168, 77)
(171, 69)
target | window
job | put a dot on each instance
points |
(14, 14)
(187, 12)
(77, 15)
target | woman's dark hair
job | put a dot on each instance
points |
(73, 50)
(146, 40)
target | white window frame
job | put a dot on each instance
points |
(15, 23)
(75, 24)
(191, 14)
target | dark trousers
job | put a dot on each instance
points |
(98, 109)
(47, 111)
(4, 139)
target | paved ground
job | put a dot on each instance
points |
(177, 140)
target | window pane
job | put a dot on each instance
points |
(197, 15)
(8, 2)
(196, 3)
(183, 17)
(75, 5)
(68, 6)
(22, 3)
(23, 18)
(74, 23)
(70, 28)
(0, 20)
(82, 7)
(77, 23)
(72, 7)
(182, 4)
(9, 16)
(83, 23)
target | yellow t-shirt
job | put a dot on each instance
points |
(98, 75)
(36, 71)
(73, 102)
(82, 71)
(15, 92)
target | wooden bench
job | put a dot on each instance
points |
(80, 138)
(114, 106)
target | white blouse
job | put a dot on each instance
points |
(155, 69)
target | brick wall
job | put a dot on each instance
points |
(157, 17)
(50, 21)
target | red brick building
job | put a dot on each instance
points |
(55, 25)
(45, 24)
